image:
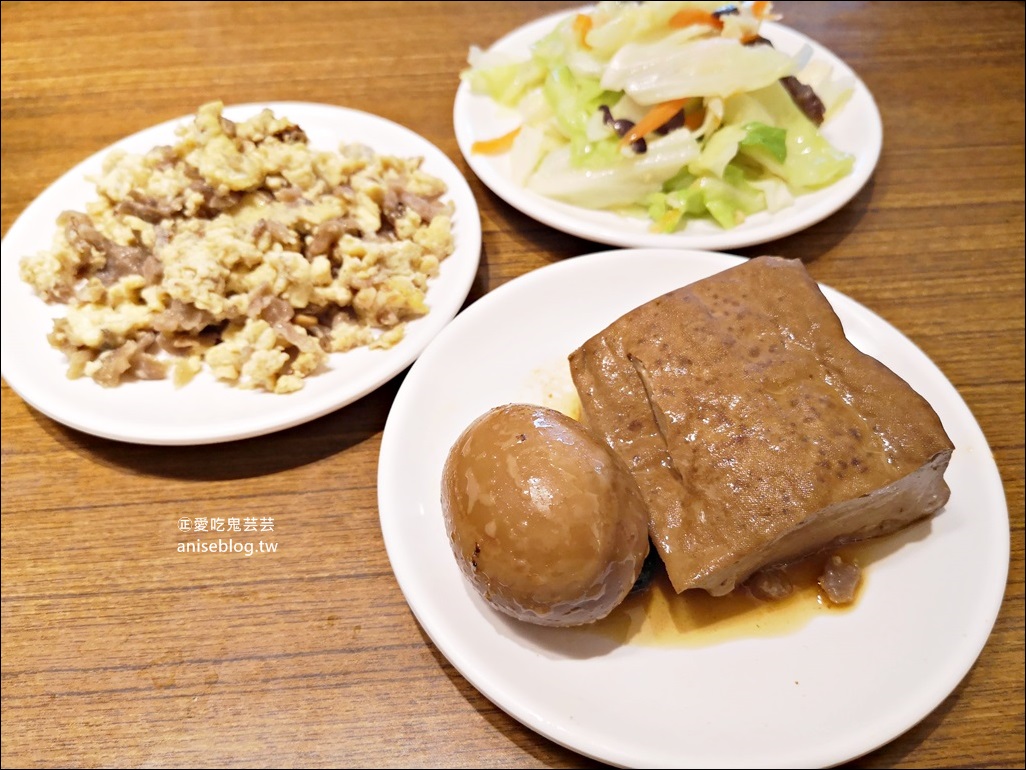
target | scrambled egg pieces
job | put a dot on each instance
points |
(243, 249)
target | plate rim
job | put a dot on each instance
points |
(467, 231)
(574, 220)
(929, 697)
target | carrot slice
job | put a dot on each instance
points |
(689, 16)
(653, 119)
(497, 145)
(582, 26)
(694, 119)
(760, 9)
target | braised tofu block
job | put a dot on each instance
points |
(757, 432)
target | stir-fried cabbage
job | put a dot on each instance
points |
(671, 109)
(680, 64)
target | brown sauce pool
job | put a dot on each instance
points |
(659, 617)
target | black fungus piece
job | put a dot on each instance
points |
(802, 95)
(805, 99)
(621, 126)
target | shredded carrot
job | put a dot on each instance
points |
(760, 9)
(689, 16)
(497, 145)
(653, 119)
(582, 26)
(694, 119)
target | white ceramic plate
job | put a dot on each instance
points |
(856, 129)
(208, 411)
(836, 688)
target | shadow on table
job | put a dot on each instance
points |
(247, 458)
(813, 242)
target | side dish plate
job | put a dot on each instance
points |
(855, 129)
(840, 686)
(205, 410)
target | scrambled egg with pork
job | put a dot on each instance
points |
(241, 249)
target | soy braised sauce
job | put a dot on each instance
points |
(659, 617)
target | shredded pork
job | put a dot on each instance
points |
(243, 250)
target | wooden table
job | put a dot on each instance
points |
(118, 651)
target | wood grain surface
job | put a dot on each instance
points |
(119, 651)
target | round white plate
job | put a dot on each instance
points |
(836, 688)
(206, 410)
(856, 129)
